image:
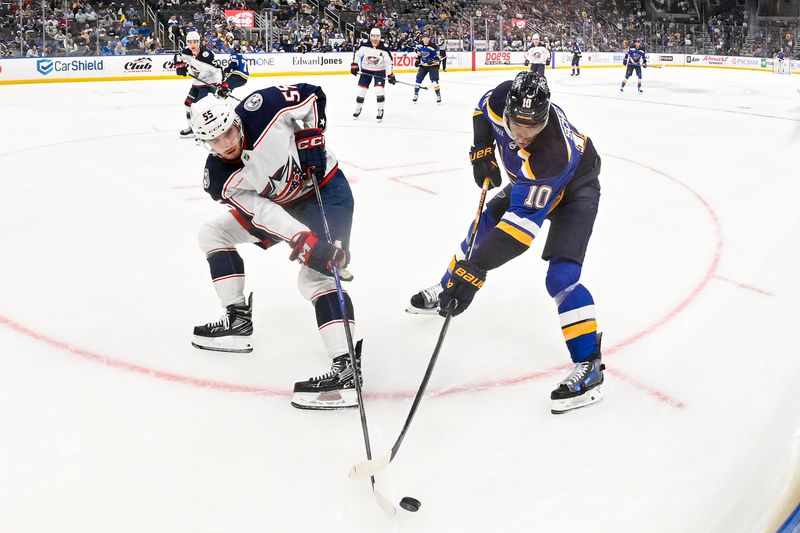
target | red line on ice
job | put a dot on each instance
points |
(539, 374)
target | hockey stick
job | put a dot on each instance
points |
(230, 93)
(383, 502)
(372, 466)
(384, 79)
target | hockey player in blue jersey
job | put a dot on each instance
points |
(576, 59)
(634, 60)
(235, 74)
(428, 59)
(553, 171)
(262, 154)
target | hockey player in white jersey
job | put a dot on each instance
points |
(537, 55)
(372, 61)
(196, 60)
(263, 154)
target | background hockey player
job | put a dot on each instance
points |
(198, 61)
(554, 172)
(576, 59)
(537, 55)
(235, 74)
(428, 59)
(634, 60)
(372, 61)
(259, 166)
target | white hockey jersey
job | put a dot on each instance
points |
(268, 174)
(537, 55)
(373, 58)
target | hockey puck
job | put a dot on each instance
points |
(410, 504)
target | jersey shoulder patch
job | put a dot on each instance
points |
(216, 174)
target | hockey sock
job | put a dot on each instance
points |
(189, 116)
(437, 89)
(416, 89)
(227, 273)
(379, 92)
(575, 308)
(330, 323)
(639, 85)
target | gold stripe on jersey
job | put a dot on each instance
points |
(477, 112)
(515, 232)
(581, 328)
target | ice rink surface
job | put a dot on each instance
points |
(112, 422)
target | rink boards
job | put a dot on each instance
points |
(150, 67)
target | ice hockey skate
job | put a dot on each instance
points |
(416, 97)
(186, 133)
(231, 333)
(581, 387)
(438, 98)
(379, 118)
(335, 389)
(356, 114)
(426, 301)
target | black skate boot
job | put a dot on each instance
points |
(416, 97)
(438, 98)
(356, 114)
(582, 386)
(186, 133)
(333, 390)
(380, 115)
(232, 333)
(426, 301)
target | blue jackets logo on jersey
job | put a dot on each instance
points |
(254, 102)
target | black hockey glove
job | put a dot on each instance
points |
(223, 90)
(310, 144)
(417, 62)
(527, 62)
(644, 64)
(484, 165)
(181, 69)
(460, 289)
(547, 62)
(354, 69)
(316, 254)
(391, 79)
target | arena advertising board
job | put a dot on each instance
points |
(109, 68)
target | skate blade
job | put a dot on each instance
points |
(325, 401)
(234, 344)
(417, 311)
(559, 407)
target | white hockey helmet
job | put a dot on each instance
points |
(192, 36)
(211, 117)
(375, 31)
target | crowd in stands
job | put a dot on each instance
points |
(83, 27)
(76, 28)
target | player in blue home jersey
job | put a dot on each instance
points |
(428, 59)
(634, 60)
(235, 73)
(576, 59)
(263, 154)
(553, 171)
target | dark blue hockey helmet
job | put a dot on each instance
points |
(236, 49)
(528, 99)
